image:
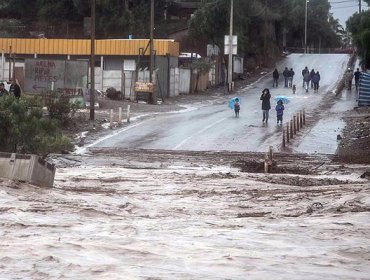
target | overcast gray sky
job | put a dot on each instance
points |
(343, 9)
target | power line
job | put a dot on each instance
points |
(339, 2)
(344, 7)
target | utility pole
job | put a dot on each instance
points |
(359, 6)
(305, 29)
(230, 68)
(151, 66)
(92, 62)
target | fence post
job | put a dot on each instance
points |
(287, 132)
(128, 113)
(283, 137)
(111, 118)
(304, 116)
(119, 115)
(297, 118)
(294, 125)
(291, 129)
(301, 118)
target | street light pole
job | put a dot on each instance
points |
(92, 62)
(151, 48)
(305, 29)
(230, 68)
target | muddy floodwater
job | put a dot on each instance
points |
(173, 222)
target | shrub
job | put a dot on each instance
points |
(24, 129)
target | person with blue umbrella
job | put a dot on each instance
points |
(234, 103)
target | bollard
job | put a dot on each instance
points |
(128, 113)
(304, 116)
(111, 119)
(266, 163)
(301, 119)
(270, 153)
(297, 118)
(283, 137)
(291, 129)
(287, 132)
(119, 115)
(294, 125)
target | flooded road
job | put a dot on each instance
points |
(175, 222)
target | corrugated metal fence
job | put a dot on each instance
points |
(364, 91)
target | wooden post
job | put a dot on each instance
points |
(10, 63)
(128, 113)
(270, 153)
(304, 116)
(268, 160)
(119, 115)
(283, 137)
(294, 125)
(111, 119)
(301, 118)
(287, 133)
(297, 118)
(291, 129)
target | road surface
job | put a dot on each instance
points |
(214, 127)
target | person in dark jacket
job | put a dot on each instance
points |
(3, 91)
(316, 79)
(306, 80)
(286, 76)
(275, 76)
(357, 78)
(311, 76)
(279, 112)
(15, 89)
(266, 106)
(291, 76)
(304, 71)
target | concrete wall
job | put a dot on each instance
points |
(174, 82)
(27, 168)
(184, 80)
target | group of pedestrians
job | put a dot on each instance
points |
(349, 77)
(14, 89)
(311, 77)
(266, 107)
(288, 77)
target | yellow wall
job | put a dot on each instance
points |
(82, 47)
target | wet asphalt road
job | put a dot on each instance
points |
(214, 127)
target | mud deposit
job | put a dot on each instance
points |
(112, 222)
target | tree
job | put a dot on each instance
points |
(359, 26)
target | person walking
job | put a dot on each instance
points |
(316, 79)
(15, 89)
(266, 106)
(279, 112)
(3, 91)
(306, 79)
(348, 79)
(275, 76)
(357, 78)
(236, 107)
(311, 76)
(286, 76)
(291, 76)
(304, 71)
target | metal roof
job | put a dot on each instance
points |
(82, 47)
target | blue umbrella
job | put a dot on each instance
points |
(232, 102)
(283, 98)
